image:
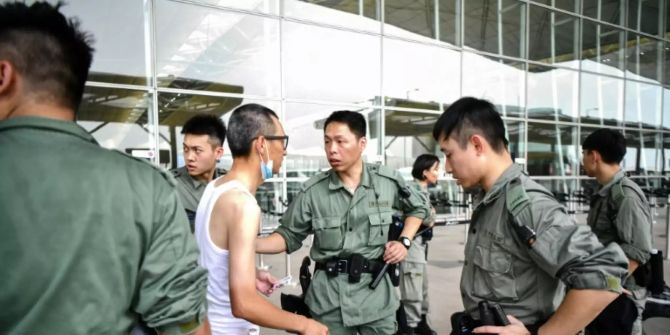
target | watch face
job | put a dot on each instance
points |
(406, 242)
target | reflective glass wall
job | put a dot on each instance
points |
(556, 69)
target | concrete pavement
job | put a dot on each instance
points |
(445, 261)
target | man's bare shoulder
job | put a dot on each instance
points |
(236, 203)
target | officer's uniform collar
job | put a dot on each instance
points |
(604, 191)
(513, 171)
(335, 183)
(35, 122)
(195, 181)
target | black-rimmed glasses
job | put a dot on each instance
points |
(274, 137)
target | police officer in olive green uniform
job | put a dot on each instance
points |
(91, 241)
(203, 146)
(521, 243)
(619, 213)
(413, 274)
(348, 209)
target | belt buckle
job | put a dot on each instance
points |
(342, 266)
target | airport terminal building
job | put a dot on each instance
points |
(555, 69)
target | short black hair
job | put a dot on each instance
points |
(206, 124)
(468, 116)
(423, 163)
(247, 123)
(355, 122)
(49, 51)
(611, 144)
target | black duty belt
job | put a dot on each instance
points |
(337, 266)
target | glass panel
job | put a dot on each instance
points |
(177, 108)
(515, 132)
(602, 48)
(304, 124)
(408, 135)
(553, 37)
(641, 153)
(416, 16)
(552, 149)
(666, 60)
(602, 100)
(332, 65)
(643, 104)
(119, 119)
(420, 76)
(263, 6)
(564, 191)
(553, 94)
(605, 10)
(117, 27)
(495, 26)
(569, 5)
(645, 16)
(665, 155)
(450, 21)
(666, 109)
(201, 48)
(498, 80)
(643, 57)
(269, 196)
(352, 14)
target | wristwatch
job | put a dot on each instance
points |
(406, 242)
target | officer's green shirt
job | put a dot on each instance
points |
(91, 240)
(344, 224)
(190, 190)
(525, 281)
(627, 223)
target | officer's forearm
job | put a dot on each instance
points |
(412, 224)
(576, 311)
(272, 244)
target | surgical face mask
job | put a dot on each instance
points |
(266, 168)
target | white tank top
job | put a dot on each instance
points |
(215, 260)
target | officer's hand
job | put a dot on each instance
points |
(395, 252)
(516, 327)
(265, 282)
(314, 328)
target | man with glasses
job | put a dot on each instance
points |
(203, 146)
(226, 226)
(349, 209)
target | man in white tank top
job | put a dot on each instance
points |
(226, 226)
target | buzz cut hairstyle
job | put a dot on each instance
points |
(49, 51)
(469, 116)
(247, 123)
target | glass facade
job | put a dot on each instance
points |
(556, 69)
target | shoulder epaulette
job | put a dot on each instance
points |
(315, 180)
(517, 202)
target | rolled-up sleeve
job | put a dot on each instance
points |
(414, 204)
(171, 294)
(572, 252)
(633, 225)
(296, 223)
